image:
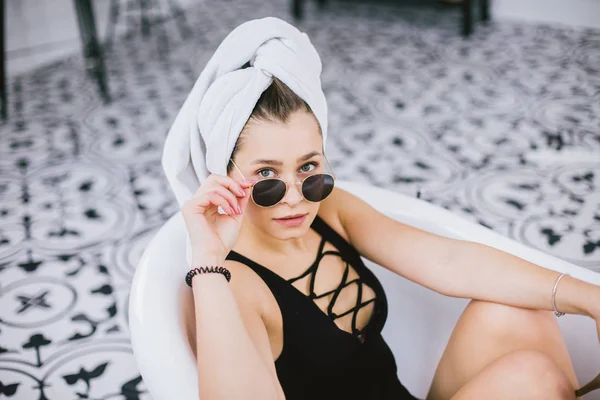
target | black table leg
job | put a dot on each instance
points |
(467, 27)
(92, 50)
(3, 89)
(298, 9)
(484, 9)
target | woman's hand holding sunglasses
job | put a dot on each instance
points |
(213, 234)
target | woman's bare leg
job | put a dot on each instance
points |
(487, 331)
(518, 375)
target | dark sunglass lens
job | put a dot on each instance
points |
(317, 187)
(268, 192)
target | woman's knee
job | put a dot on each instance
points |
(504, 320)
(521, 374)
(542, 376)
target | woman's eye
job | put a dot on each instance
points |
(313, 164)
(264, 173)
(260, 173)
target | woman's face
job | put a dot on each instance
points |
(290, 151)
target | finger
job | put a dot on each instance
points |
(215, 180)
(206, 201)
(229, 183)
(243, 201)
(232, 201)
(218, 200)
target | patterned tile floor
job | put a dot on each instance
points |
(502, 128)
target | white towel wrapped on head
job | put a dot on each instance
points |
(204, 133)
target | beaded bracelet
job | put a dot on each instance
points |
(201, 270)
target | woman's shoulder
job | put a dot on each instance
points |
(329, 211)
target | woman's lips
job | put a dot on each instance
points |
(291, 221)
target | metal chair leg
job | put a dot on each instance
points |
(467, 26)
(92, 50)
(484, 9)
(3, 89)
(298, 9)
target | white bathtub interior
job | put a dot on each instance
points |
(419, 322)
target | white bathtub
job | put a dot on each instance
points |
(419, 322)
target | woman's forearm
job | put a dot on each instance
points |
(229, 364)
(482, 272)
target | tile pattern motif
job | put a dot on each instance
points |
(502, 128)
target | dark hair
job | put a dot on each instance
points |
(275, 104)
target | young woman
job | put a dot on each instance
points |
(301, 315)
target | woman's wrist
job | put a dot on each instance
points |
(203, 258)
(195, 278)
(595, 305)
(590, 300)
(575, 296)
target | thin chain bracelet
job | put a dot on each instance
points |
(556, 312)
(201, 270)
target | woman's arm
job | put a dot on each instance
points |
(477, 271)
(459, 268)
(233, 349)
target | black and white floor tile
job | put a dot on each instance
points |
(502, 128)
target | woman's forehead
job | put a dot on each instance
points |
(281, 157)
(282, 144)
(276, 140)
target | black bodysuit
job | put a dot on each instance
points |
(319, 360)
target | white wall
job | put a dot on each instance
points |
(42, 31)
(580, 13)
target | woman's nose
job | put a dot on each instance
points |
(294, 193)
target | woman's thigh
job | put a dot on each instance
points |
(518, 375)
(486, 331)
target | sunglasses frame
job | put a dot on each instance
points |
(286, 183)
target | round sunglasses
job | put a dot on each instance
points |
(270, 191)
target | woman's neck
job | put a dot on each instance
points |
(254, 240)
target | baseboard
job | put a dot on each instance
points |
(580, 13)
